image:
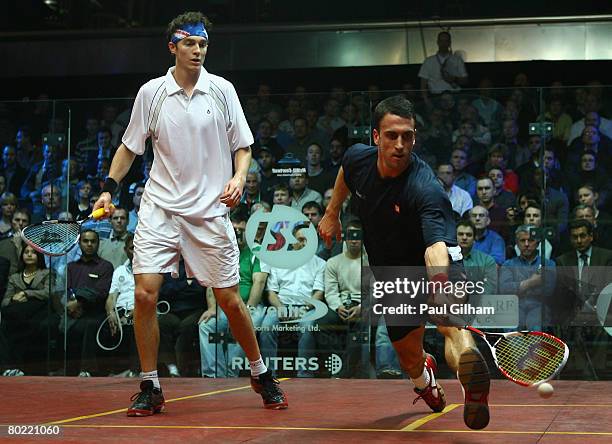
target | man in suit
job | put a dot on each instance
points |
(582, 275)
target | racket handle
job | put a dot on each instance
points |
(100, 213)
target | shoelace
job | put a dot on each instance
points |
(143, 396)
(271, 386)
(423, 394)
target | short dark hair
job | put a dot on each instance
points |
(397, 105)
(579, 223)
(89, 230)
(281, 187)
(187, 18)
(582, 207)
(466, 223)
(313, 204)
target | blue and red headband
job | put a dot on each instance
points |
(187, 30)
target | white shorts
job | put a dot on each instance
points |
(208, 246)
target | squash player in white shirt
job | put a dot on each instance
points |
(197, 126)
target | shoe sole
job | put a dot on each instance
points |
(442, 397)
(474, 376)
(137, 412)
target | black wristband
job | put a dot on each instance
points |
(110, 186)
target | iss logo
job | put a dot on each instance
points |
(333, 364)
(271, 237)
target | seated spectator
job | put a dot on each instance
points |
(504, 198)
(45, 171)
(119, 310)
(337, 147)
(555, 201)
(24, 306)
(283, 285)
(498, 158)
(589, 195)
(589, 171)
(136, 190)
(342, 328)
(517, 153)
(463, 179)
(530, 278)
(601, 237)
(103, 227)
(13, 173)
(269, 179)
(51, 204)
(264, 138)
(89, 280)
(591, 118)
(178, 328)
(113, 248)
(459, 198)
(581, 275)
(281, 195)
(591, 140)
(11, 245)
(562, 122)
(221, 362)
(300, 193)
(8, 205)
(533, 217)
(252, 190)
(319, 179)
(486, 240)
(302, 139)
(479, 266)
(485, 191)
(330, 121)
(314, 212)
(80, 206)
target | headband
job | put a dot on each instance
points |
(188, 30)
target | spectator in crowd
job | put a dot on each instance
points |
(530, 278)
(89, 143)
(252, 189)
(264, 94)
(8, 205)
(319, 178)
(292, 111)
(459, 198)
(219, 360)
(300, 193)
(343, 327)
(591, 140)
(562, 122)
(498, 158)
(136, 190)
(487, 240)
(23, 307)
(11, 245)
(264, 138)
(581, 274)
(103, 227)
(105, 150)
(281, 195)
(591, 118)
(113, 248)
(119, 311)
(178, 328)
(588, 171)
(589, 195)
(13, 173)
(533, 217)
(51, 204)
(302, 139)
(89, 281)
(314, 212)
(509, 138)
(443, 71)
(601, 237)
(485, 190)
(438, 133)
(479, 266)
(330, 121)
(463, 179)
(80, 207)
(269, 179)
(488, 108)
(27, 153)
(45, 171)
(286, 290)
(503, 197)
(337, 147)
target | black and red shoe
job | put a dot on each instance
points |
(433, 395)
(475, 379)
(269, 389)
(149, 401)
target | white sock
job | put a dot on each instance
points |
(258, 367)
(422, 381)
(173, 369)
(151, 376)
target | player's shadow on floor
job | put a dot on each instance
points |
(397, 421)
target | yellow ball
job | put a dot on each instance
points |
(545, 390)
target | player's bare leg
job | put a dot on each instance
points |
(150, 400)
(421, 367)
(463, 356)
(239, 318)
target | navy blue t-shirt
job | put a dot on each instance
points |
(401, 216)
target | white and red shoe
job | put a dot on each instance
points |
(433, 395)
(475, 379)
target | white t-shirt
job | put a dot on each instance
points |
(193, 140)
(431, 70)
(301, 281)
(123, 283)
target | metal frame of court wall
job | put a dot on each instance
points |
(265, 47)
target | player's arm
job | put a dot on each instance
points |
(232, 193)
(122, 161)
(329, 226)
(436, 261)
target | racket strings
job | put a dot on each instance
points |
(530, 358)
(52, 238)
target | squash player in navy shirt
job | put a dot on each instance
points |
(408, 221)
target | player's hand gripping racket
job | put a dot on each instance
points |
(56, 237)
(527, 358)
